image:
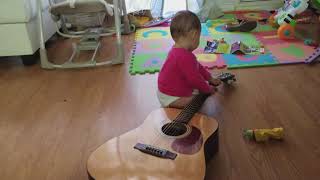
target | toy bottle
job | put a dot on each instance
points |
(263, 135)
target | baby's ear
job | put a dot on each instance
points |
(194, 33)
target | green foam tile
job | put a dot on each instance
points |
(147, 63)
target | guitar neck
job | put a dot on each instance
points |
(193, 107)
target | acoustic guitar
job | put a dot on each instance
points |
(171, 144)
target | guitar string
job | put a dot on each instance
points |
(195, 104)
(184, 114)
(171, 124)
(196, 98)
(205, 96)
(158, 137)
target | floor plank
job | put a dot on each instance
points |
(51, 120)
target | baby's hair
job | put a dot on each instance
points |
(184, 22)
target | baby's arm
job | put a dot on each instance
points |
(207, 76)
(190, 69)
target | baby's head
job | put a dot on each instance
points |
(185, 30)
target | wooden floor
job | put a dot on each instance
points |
(51, 120)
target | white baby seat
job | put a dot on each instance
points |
(84, 19)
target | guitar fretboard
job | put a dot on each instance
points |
(193, 107)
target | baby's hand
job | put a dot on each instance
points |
(214, 82)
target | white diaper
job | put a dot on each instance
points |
(165, 100)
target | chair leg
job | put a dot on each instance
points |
(127, 28)
(120, 52)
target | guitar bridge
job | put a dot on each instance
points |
(155, 151)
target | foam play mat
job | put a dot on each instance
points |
(285, 51)
(235, 61)
(153, 44)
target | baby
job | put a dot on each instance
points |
(182, 75)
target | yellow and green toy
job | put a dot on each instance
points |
(263, 135)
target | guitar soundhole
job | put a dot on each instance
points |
(174, 129)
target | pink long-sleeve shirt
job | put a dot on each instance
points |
(182, 73)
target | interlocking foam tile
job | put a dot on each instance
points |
(285, 51)
(163, 32)
(218, 28)
(147, 63)
(252, 15)
(288, 53)
(204, 30)
(211, 60)
(153, 46)
(263, 28)
(153, 33)
(270, 37)
(236, 61)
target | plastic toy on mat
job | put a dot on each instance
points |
(263, 135)
(222, 47)
(284, 17)
(239, 48)
(218, 47)
(310, 42)
(211, 46)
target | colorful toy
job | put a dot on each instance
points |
(284, 17)
(218, 47)
(239, 48)
(227, 78)
(255, 49)
(263, 135)
(222, 40)
(310, 42)
(222, 47)
(211, 46)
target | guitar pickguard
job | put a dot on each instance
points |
(190, 144)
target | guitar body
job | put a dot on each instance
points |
(117, 159)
